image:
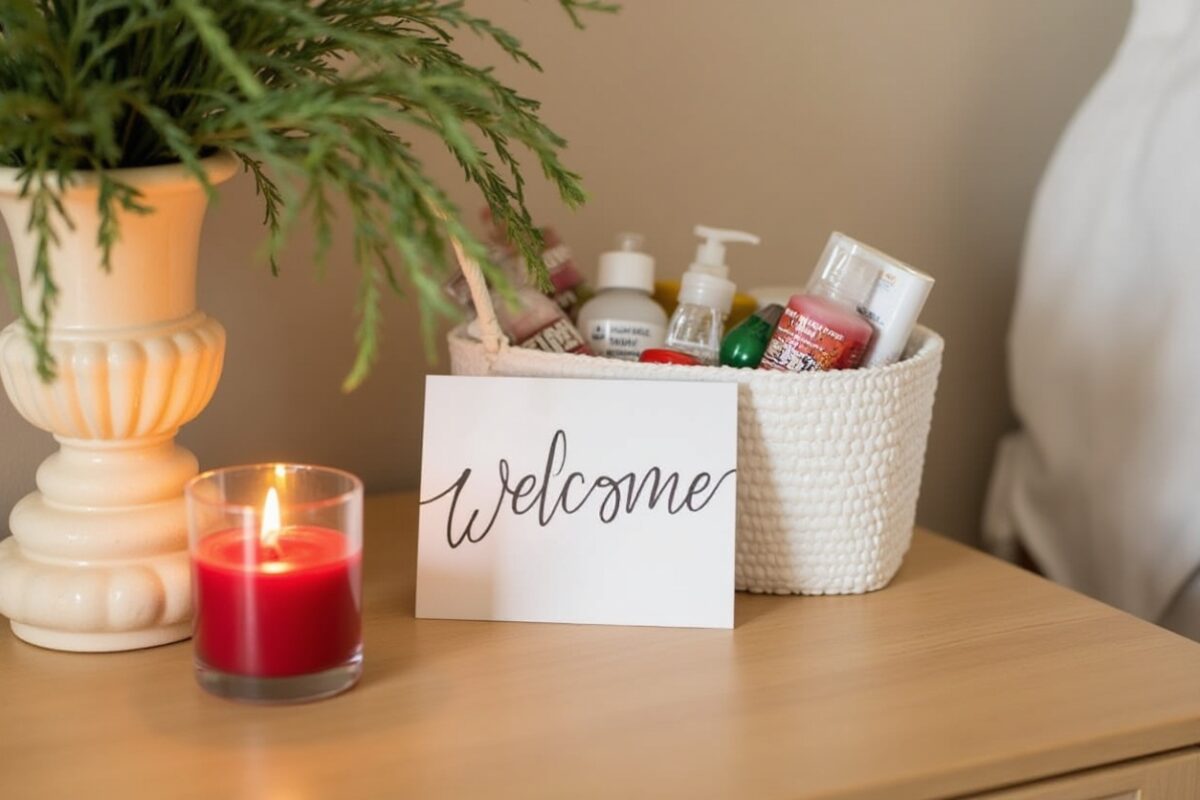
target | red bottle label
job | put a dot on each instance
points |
(560, 336)
(803, 344)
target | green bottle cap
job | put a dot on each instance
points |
(743, 347)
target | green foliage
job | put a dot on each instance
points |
(312, 97)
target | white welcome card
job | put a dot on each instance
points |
(587, 501)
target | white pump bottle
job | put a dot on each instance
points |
(705, 297)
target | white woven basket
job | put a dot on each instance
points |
(829, 463)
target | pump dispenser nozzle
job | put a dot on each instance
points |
(710, 254)
(706, 281)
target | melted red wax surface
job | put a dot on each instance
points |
(293, 609)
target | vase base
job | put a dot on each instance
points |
(93, 607)
(105, 642)
(289, 689)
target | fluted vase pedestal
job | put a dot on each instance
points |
(97, 560)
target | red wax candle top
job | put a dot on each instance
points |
(291, 608)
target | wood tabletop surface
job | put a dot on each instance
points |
(965, 674)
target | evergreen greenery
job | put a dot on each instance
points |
(312, 96)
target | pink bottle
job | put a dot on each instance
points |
(822, 328)
(527, 317)
(535, 321)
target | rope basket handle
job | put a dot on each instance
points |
(489, 327)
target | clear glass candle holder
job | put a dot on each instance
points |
(276, 553)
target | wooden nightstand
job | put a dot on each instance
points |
(966, 675)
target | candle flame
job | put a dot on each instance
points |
(269, 535)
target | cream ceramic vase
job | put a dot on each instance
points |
(97, 560)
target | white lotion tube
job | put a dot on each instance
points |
(893, 308)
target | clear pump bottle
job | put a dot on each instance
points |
(823, 329)
(705, 297)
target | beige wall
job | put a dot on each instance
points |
(918, 126)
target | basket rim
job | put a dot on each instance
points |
(928, 348)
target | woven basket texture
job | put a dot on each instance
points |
(829, 463)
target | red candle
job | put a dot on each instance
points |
(277, 581)
(278, 605)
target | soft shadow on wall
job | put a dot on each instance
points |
(919, 127)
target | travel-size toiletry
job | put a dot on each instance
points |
(666, 294)
(622, 319)
(893, 307)
(705, 297)
(744, 345)
(527, 317)
(822, 329)
(532, 320)
(659, 355)
(569, 288)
